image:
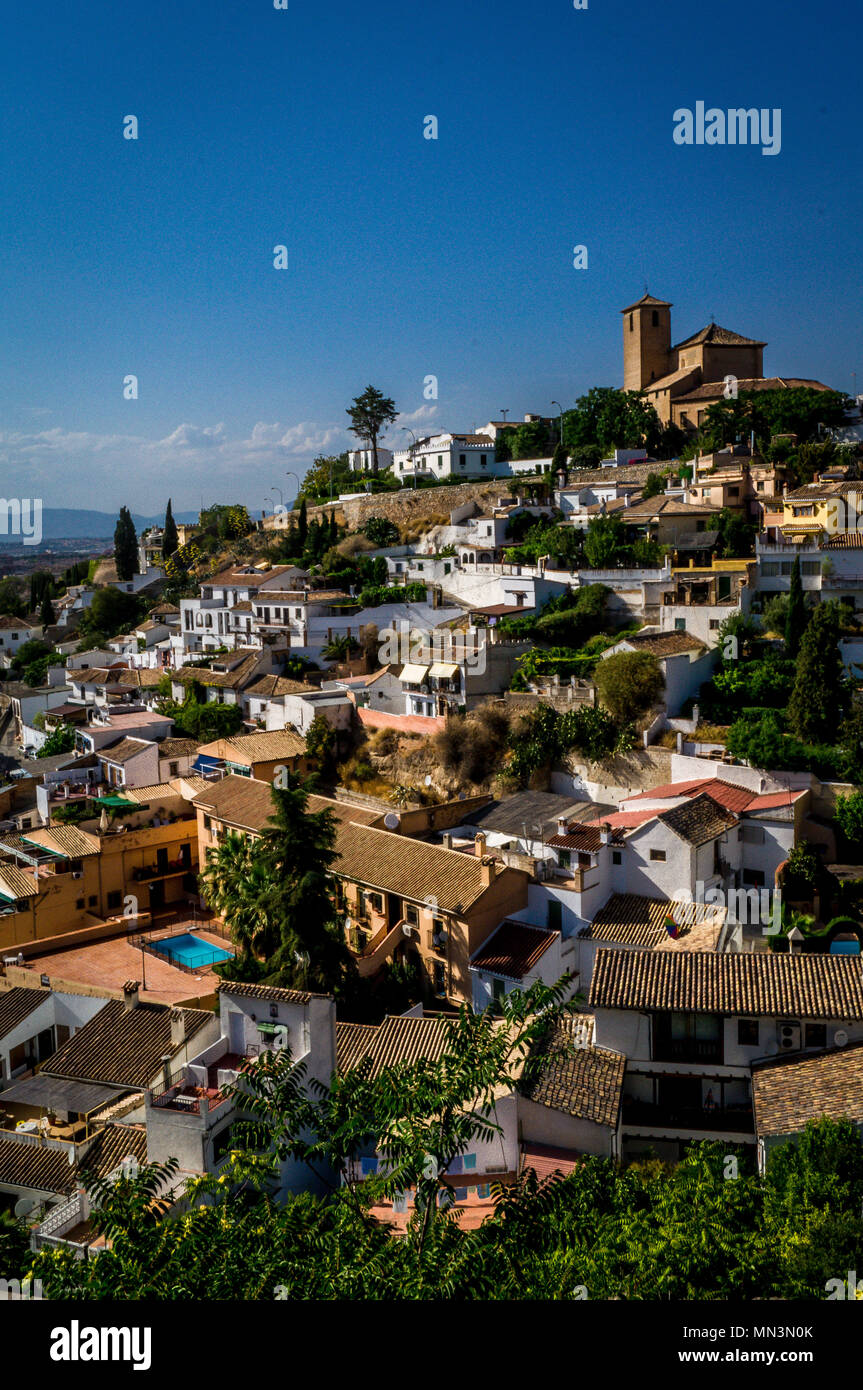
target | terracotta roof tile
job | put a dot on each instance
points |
(761, 983)
(17, 1004)
(123, 1047)
(789, 1092)
(582, 1081)
(513, 950)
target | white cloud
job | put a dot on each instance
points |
(69, 468)
(422, 416)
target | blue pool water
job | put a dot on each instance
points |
(191, 950)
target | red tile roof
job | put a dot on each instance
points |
(514, 950)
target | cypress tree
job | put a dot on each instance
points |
(46, 612)
(820, 694)
(795, 619)
(170, 539)
(126, 546)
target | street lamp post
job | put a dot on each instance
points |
(290, 474)
(277, 489)
(407, 429)
(559, 422)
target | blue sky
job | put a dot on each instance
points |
(407, 256)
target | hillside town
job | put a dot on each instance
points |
(567, 708)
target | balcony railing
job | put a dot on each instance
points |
(687, 1050)
(150, 871)
(728, 1119)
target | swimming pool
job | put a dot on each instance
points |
(190, 950)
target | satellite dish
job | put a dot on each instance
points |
(391, 821)
(24, 1206)
(840, 1038)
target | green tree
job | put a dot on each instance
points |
(62, 740)
(821, 692)
(607, 419)
(46, 612)
(321, 745)
(11, 601)
(237, 885)
(654, 485)
(736, 535)
(126, 546)
(760, 742)
(170, 538)
(370, 413)
(796, 616)
(111, 611)
(381, 531)
(298, 849)
(629, 683)
(329, 475)
(605, 542)
(849, 816)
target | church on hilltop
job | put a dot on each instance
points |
(681, 381)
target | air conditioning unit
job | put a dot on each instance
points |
(407, 929)
(789, 1036)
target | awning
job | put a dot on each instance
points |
(447, 669)
(61, 1093)
(117, 801)
(205, 763)
(414, 675)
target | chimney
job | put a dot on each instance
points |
(130, 995)
(627, 499)
(562, 825)
(479, 844)
(486, 865)
(178, 1028)
(447, 840)
(605, 833)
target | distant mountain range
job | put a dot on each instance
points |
(73, 523)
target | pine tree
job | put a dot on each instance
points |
(126, 546)
(170, 539)
(795, 620)
(820, 695)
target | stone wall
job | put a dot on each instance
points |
(410, 506)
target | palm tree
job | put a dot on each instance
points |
(239, 886)
(339, 648)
